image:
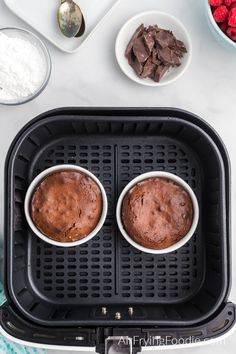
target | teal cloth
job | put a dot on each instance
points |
(8, 347)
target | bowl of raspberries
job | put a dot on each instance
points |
(222, 18)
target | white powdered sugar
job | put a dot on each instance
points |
(22, 68)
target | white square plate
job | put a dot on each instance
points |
(42, 16)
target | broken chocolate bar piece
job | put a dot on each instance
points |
(160, 72)
(165, 39)
(155, 59)
(149, 41)
(148, 68)
(169, 57)
(140, 50)
(137, 66)
(137, 33)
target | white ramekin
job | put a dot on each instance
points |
(32, 188)
(163, 20)
(174, 178)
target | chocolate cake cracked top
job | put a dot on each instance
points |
(157, 213)
(66, 206)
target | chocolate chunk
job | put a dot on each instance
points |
(140, 50)
(153, 50)
(178, 53)
(165, 55)
(149, 41)
(131, 57)
(165, 39)
(137, 33)
(168, 57)
(160, 72)
(148, 68)
(154, 57)
(181, 46)
(175, 59)
(137, 66)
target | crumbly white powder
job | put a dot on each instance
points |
(22, 68)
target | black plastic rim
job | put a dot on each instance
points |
(132, 115)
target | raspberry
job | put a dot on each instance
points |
(231, 32)
(221, 13)
(232, 18)
(233, 5)
(224, 26)
(227, 2)
(215, 2)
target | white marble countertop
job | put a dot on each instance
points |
(81, 79)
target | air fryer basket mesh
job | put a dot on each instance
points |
(58, 286)
(108, 269)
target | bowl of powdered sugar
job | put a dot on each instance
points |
(25, 66)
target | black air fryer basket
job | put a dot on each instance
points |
(94, 293)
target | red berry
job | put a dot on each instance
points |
(221, 13)
(227, 2)
(232, 18)
(233, 5)
(224, 26)
(231, 32)
(215, 2)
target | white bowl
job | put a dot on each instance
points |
(165, 21)
(221, 37)
(32, 188)
(174, 178)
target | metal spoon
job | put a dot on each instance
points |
(70, 18)
(82, 28)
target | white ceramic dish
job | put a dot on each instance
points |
(42, 16)
(174, 178)
(36, 41)
(32, 188)
(165, 21)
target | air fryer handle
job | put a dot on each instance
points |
(116, 340)
(131, 341)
